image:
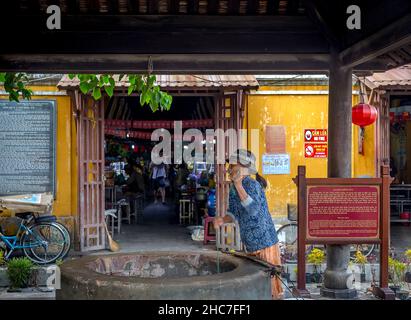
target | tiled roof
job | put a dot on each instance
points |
(392, 78)
(182, 81)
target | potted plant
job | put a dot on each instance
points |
(408, 262)
(317, 258)
(19, 271)
(361, 260)
(396, 274)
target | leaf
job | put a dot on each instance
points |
(109, 90)
(2, 77)
(112, 82)
(96, 93)
(84, 87)
(106, 78)
(71, 76)
(130, 89)
(143, 97)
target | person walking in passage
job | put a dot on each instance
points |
(248, 204)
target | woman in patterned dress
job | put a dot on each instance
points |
(248, 204)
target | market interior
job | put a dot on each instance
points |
(141, 197)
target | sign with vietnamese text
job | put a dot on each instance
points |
(343, 212)
(276, 163)
(316, 150)
(315, 135)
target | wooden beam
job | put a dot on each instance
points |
(174, 63)
(317, 18)
(152, 6)
(192, 7)
(166, 34)
(390, 38)
(166, 63)
(173, 6)
(212, 6)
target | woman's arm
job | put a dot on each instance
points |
(253, 203)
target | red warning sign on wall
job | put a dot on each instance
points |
(315, 135)
(316, 150)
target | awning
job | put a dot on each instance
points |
(182, 82)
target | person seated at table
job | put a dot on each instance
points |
(135, 183)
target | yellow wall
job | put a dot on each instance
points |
(66, 175)
(296, 113)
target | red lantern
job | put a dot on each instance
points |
(364, 114)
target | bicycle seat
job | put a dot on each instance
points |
(24, 215)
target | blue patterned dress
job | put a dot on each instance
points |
(257, 229)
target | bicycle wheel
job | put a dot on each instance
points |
(43, 243)
(287, 240)
(365, 249)
(67, 240)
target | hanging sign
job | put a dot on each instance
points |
(315, 150)
(276, 163)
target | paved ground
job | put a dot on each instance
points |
(28, 294)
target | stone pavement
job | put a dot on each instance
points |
(41, 293)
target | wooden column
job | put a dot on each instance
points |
(300, 180)
(383, 291)
(339, 166)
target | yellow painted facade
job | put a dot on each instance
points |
(297, 112)
(294, 111)
(66, 173)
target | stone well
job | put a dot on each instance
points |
(163, 275)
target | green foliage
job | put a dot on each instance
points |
(316, 257)
(59, 262)
(19, 271)
(2, 259)
(150, 93)
(407, 254)
(396, 271)
(14, 85)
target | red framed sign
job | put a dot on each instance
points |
(341, 212)
(315, 150)
(315, 135)
(344, 211)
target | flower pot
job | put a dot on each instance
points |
(316, 278)
(408, 277)
(363, 277)
(395, 288)
(402, 294)
(405, 216)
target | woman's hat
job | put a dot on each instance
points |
(245, 158)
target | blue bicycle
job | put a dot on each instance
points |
(41, 242)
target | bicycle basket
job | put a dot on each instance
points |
(292, 212)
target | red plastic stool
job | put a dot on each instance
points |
(208, 237)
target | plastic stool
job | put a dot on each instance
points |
(207, 236)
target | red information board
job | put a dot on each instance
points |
(341, 212)
(315, 135)
(344, 211)
(316, 150)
